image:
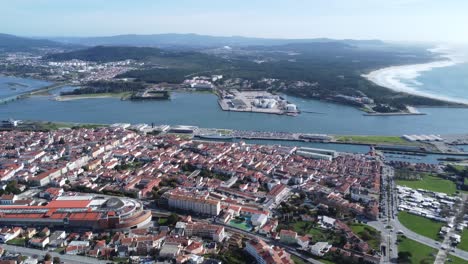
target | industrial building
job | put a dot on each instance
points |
(315, 153)
(427, 138)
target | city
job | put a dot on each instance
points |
(233, 132)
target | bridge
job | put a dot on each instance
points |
(31, 92)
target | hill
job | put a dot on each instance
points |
(197, 41)
(14, 43)
(106, 54)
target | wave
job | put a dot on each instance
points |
(404, 78)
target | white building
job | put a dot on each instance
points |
(259, 219)
(320, 248)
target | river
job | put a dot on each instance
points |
(201, 109)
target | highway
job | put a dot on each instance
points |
(72, 259)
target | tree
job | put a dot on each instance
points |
(172, 219)
(47, 257)
(404, 257)
(56, 260)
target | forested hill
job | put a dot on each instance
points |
(333, 67)
(13, 43)
(107, 54)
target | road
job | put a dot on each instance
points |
(72, 259)
(387, 205)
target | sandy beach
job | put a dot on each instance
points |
(403, 78)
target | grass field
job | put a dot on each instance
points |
(464, 240)
(455, 260)
(420, 253)
(374, 140)
(303, 228)
(17, 242)
(420, 225)
(368, 234)
(430, 183)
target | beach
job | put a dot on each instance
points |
(404, 78)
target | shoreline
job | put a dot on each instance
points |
(403, 78)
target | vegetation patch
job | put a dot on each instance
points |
(426, 181)
(464, 240)
(410, 251)
(421, 225)
(17, 242)
(373, 140)
(368, 234)
(455, 260)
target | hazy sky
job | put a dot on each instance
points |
(408, 20)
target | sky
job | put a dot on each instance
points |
(395, 20)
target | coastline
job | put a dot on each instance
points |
(403, 78)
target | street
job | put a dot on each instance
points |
(72, 259)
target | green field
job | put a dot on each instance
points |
(464, 240)
(431, 183)
(420, 225)
(368, 234)
(373, 140)
(17, 242)
(420, 253)
(303, 228)
(455, 260)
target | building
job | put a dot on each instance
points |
(314, 155)
(259, 219)
(327, 152)
(278, 192)
(214, 232)
(326, 222)
(288, 236)
(39, 242)
(7, 234)
(192, 202)
(265, 254)
(95, 212)
(7, 199)
(320, 248)
(170, 250)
